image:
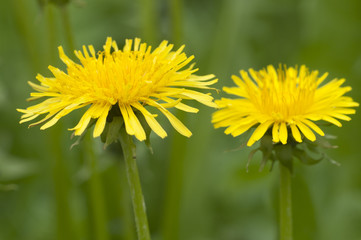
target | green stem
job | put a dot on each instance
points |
(131, 168)
(285, 203)
(23, 17)
(62, 187)
(174, 186)
(176, 14)
(176, 171)
(51, 30)
(96, 192)
(148, 15)
(67, 27)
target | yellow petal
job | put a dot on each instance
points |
(186, 108)
(84, 121)
(313, 126)
(243, 128)
(200, 97)
(29, 118)
(341, 116)
(128, 126)
(332, 120)
(133, 120)
(100, 124)
(178, 125)
(239, 123)
(152, 122)
(306, 131)
(296, 133)
(275, 132)
(283, 133)
(259, 132)
(43, 120)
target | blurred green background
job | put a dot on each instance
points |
(197, 188)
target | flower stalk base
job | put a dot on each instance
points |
(285, 203)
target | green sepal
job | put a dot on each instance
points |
(306, 158)
(111, 131)
(43, 3)
(60, 2)
(306, 152)
(267, 151)
(284, 153)
(266, 148)
(80, 138)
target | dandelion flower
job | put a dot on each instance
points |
(285, 102)
(132, 80)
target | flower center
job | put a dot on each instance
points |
(285, 96)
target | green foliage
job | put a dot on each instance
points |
(214, 198)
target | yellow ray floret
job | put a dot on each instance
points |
(286, 101)
(132, 79)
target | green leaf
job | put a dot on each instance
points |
(284, 153)
(112, 134)
(80, 138)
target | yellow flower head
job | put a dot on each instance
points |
(130, 79)
(286, 101)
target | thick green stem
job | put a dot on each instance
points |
(285, 203)
(131, 168)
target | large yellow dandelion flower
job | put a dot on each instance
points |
(285, 102)
(129, 79)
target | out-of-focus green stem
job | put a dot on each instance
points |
(174, 188)
(65, 225)
(285, 203)
(67, 27)
(22, 19)
(131, 168)
(148, 15)
(96, 192)
(50, 23)
(176, 16)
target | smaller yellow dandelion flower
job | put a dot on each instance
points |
(285, 102)
(130, 80)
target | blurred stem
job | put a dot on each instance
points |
(96, 192)
(67, 27)
(148, 15)
(174, 188)
(65, 224)
(131, 168)
(28, 35)
(50, 22)
(285, 203)
(176, 12)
